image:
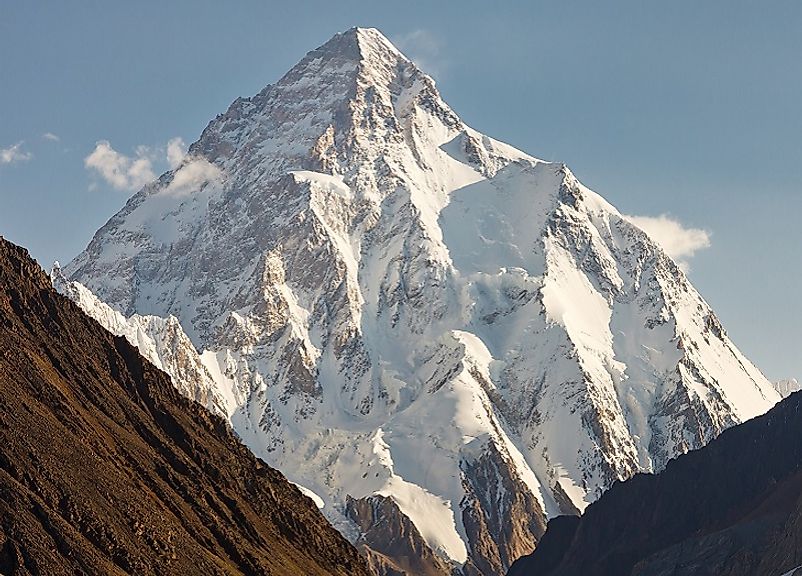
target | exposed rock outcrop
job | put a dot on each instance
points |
(503, 520)
(391, 541)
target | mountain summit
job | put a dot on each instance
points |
(446, 339)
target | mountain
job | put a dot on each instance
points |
(787, 387)
(161, 341)
(421, 325)
(106, 469)
(731, 508)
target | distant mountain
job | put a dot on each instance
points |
(732, 508)
(425, 327)
(106, 469)
(787, 387)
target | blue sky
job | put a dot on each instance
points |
(687, 109)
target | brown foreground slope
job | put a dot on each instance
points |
(106, 469)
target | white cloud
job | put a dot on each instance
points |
(679, 242)
(192, 175)
(50, 136)
(14, 154)
(176, 150)
(423, 48)
(121, 171)
(132, 172)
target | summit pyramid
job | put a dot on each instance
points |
(443, 338)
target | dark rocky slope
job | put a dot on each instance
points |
(732, 508)
(106, 469)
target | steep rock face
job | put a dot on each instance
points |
(391, 541)
(106, 469)
(502, 520)
(732, 508)
(381, 294)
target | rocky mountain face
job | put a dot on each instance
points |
(731, 508)
(161, 341)
(106, 469)
(415, 322)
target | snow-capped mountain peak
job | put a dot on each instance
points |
(411, 319)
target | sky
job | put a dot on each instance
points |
(686, 115)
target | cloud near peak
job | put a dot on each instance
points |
(176, 151)
(130, 173)
(423, 48)
(120, 171)
(679, 242)
(191, 175)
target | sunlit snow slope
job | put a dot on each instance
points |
(389, 303)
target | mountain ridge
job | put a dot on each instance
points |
(106, 469)
(741, 517)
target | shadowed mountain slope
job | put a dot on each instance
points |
(732, 508)
(106, 469)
